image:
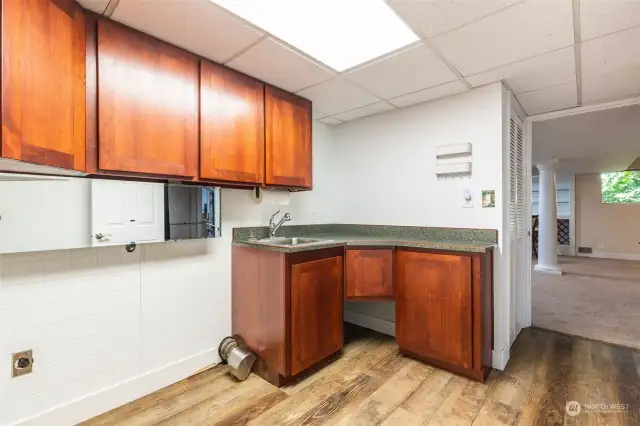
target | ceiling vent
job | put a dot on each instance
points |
(635, 166)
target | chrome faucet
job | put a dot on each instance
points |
(273, 227)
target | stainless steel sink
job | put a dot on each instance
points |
(295, 241)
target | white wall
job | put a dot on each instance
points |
(108, 326)
(27, 223)
(611, 230)
(381, 171)
(319, 205)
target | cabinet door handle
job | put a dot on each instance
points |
(100, 236)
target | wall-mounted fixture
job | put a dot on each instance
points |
(460, 149)
(453, 160)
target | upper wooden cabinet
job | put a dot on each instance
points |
(231, 125)
(369, 274)
(288, 139)
(43, 82)
(147, 104)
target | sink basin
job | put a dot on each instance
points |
(295, 241)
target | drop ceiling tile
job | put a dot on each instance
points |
(330, 121)
(429, 18)
(611, 53)
(97, 6)
(413, 69)
(195, 25)
(549, 69)
(364, 111)
(276, 64)
(523, 31)
(610, 87)
(601, 17)
(549, 99)
(317, 114)
(337, 95)
(426, 95)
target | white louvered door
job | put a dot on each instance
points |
(518, 171)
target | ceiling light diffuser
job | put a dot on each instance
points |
(338, 33)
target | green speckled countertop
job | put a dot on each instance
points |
(337, 235)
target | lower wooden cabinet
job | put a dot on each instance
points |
(444, 310)
(287, 307)
(316, 311)
(369, 274)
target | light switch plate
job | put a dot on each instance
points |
(467, 198)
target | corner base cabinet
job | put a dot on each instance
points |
(287, 308)
(444, 309)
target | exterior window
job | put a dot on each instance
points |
(621, 187)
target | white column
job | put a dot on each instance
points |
(548, 220)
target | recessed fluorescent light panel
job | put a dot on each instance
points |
(338, 33)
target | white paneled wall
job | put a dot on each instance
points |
(107, 326)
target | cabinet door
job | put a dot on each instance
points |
(124, 212)
(433, 306)
(43, 75)
(288, 139)
(147, 104)
(369, 274)
(231, 125)
(316, 311)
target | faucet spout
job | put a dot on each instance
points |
(273, 227)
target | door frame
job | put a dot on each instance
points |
(528, 123)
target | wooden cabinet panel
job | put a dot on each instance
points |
(147, 104)
(231, 125)
(43, 82)
(433, 306)
(288, 139)
(316, 311)
(369, 274)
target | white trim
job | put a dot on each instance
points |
(526, 292)
(584, 109)
(99, 402)
(373, 323)
(545, 269)
(564, 250)
(501, 357)
(572, 219)
(610, 255)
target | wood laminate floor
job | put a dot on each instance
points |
(370, 383)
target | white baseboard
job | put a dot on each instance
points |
(611, 255)
(373, 323)
(501, 358)
(99, 402)
(566, 250)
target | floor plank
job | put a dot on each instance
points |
(370, 383)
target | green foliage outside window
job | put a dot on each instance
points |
(621, 187)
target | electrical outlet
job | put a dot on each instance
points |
(21, 363)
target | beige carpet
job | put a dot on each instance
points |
(596, 298)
